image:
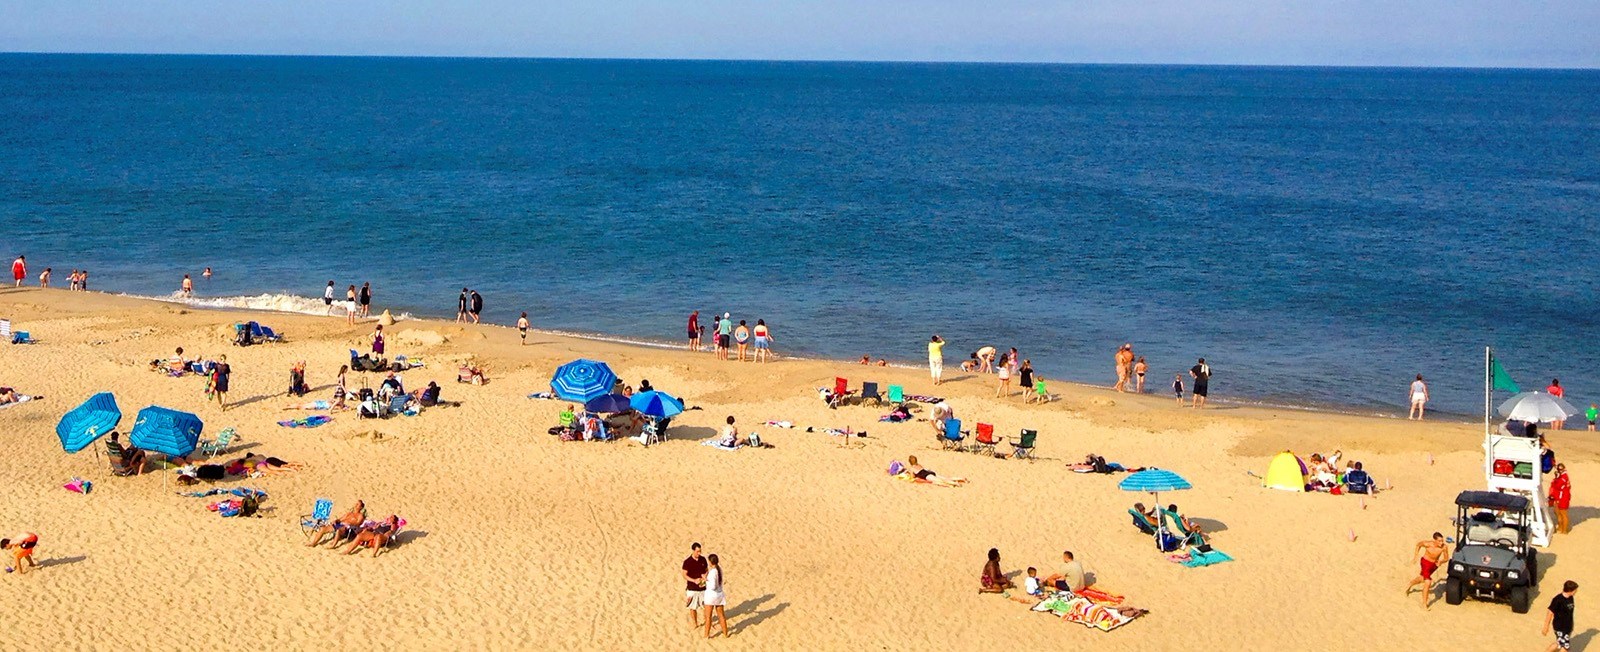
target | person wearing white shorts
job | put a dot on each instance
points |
(936, 359)
(714, 598)
(1419, 398)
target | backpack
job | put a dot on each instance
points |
(248, 505)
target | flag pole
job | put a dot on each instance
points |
(1488, 361)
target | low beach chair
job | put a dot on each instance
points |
(897, 394)
(210, 447)
(321, 513)
(397, 405)
(1141, 521)
(841, 391)
(653, 432)
(1178, 526)
(952, 437)
(870, 390)
(1022, 446)
(985, 441)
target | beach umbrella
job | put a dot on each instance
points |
(1155, 481)
(581, 380)
(166, 431)
(607, 404)
(656, 404)
(1537, 407)
(88, 422)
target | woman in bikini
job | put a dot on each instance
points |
(927, 475)
(742, 336)
(375, 537)
(1138, 371)
(341, 529)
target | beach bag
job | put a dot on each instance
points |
(1547, 461)
(755, 440)
(248, 505)
(210, 472)
(895, 467)
(1503, 467)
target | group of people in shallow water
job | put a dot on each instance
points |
(728, 336)
(356, 532)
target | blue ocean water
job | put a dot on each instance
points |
(1320, 235)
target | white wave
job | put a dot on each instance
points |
(261, 302)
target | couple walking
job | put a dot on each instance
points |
(705, 590)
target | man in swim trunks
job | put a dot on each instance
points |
(1202, 378)
(21, 547)
(1431, 554)
(1124, 362)
(694, 330)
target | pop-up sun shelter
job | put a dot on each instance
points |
(1286, 472)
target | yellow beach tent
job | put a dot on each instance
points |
(1286, 472)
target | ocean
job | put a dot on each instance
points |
(1320, 235)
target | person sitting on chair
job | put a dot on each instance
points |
(341, 529)
(1358, 481)
(391, 386)
(375, 537)
(129, 457)
(1146, 520)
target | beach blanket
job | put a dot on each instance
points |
(1086, 612)
(717, 444)
(21, 398)
(312, 405)
(1196, 558)
(542, 395)
(923, 398)
(846, 432)
(240, 492)
(308, 422)
(232, 506)
(780, 424)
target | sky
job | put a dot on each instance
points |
(1471, 33)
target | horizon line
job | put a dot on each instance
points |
(996, 62)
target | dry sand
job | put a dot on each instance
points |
(519, 541)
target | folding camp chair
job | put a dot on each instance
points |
(841, 389)
(985, 439)
(264, 333)
(870, 390)
(397, 405)
(654, 433)
(952, 437)
(210, 447)
(897, 394)
(1022, 447)
(1190, 537)
(321, 513)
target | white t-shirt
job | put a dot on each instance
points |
(1032, 585)
(327, 293)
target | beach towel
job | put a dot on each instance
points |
(836, 432)
(923, 398)
(1084, 611)
(79, 485)
(312, 405)
(240, 492)
(717, 444)
(542, 395)
(1212, 558)
(780, 424)
(308, 422)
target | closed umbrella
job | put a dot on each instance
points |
(1155, 481)
(92, 420)
(581, 380)
(656, 404)
(608, 404)
(166, 431)
(1537, 407)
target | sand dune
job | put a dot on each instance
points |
(519, 541)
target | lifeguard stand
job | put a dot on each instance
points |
(1511, 464)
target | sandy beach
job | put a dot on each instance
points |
(516, 540)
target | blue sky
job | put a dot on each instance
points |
(1531, 33)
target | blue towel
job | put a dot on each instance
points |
(1198, 559)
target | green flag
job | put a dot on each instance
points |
(1501, 380)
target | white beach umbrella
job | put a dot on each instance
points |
(1537, 407)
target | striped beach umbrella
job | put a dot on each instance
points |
(581, 380)
(88, 422)
(166, 431)
(1155, 481)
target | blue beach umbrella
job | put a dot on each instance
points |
(581, 380)
(656, 404)
(88, 422)
(1155, 481)
(166, 431)
(608, 404)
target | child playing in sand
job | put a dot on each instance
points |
(1177, 387)
(21, 547)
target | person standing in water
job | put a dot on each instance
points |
(187, 287)
(522, 327)
(694, 330)
(19, 269)
(1123, 361)
(350, 306)
(206, 274)
(365, 297)
(327, 297)
(1139, 369)
(1419, 398)
(1201, 372)
(741, 335)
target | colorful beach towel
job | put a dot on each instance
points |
(1086, 612)
(307, 422)
(923, 398)
(312, 405)
(1198, 558)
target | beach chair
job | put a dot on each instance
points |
(653, 432)
(321, 514)
(264, 333)
(397, 405)
(210, 447)
(984, 441)
(1189, 537)
(952, 437)
(21, 337)
(1141, 521)
(897, 394)
(841, 390)
(117, 455)
(1022, 446)
(870, 390)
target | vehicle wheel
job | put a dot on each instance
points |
(1519, 599)
(1452, 591)
(1533, 567)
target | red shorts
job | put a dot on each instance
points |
(1428, 567)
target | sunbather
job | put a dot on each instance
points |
(342, 529)
(375, 537)
(730, 436)
(1197, 534)
(471, 374)
(9, 395)
(130, 457)
(1146, 521)
(928, 475)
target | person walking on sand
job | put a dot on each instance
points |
(19, 269)
(764, 341)
(1419, 398)
(44, 278)
(327, 297)
(714, 598)
(522, 327)
(936, 359)
(365, 297)
(21, 548)
(377, 341)
(220, 375)
(694, 572)
(1559, 617)
(1555, 390)
(1004, 372)
(187, 286)
(1123, 360)
(1201, 372)
(1561, 498)
(694, 330)
(475, 306)
(461, 307)
(1592, 414)
(1431, 554)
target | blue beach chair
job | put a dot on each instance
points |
(952, 437)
